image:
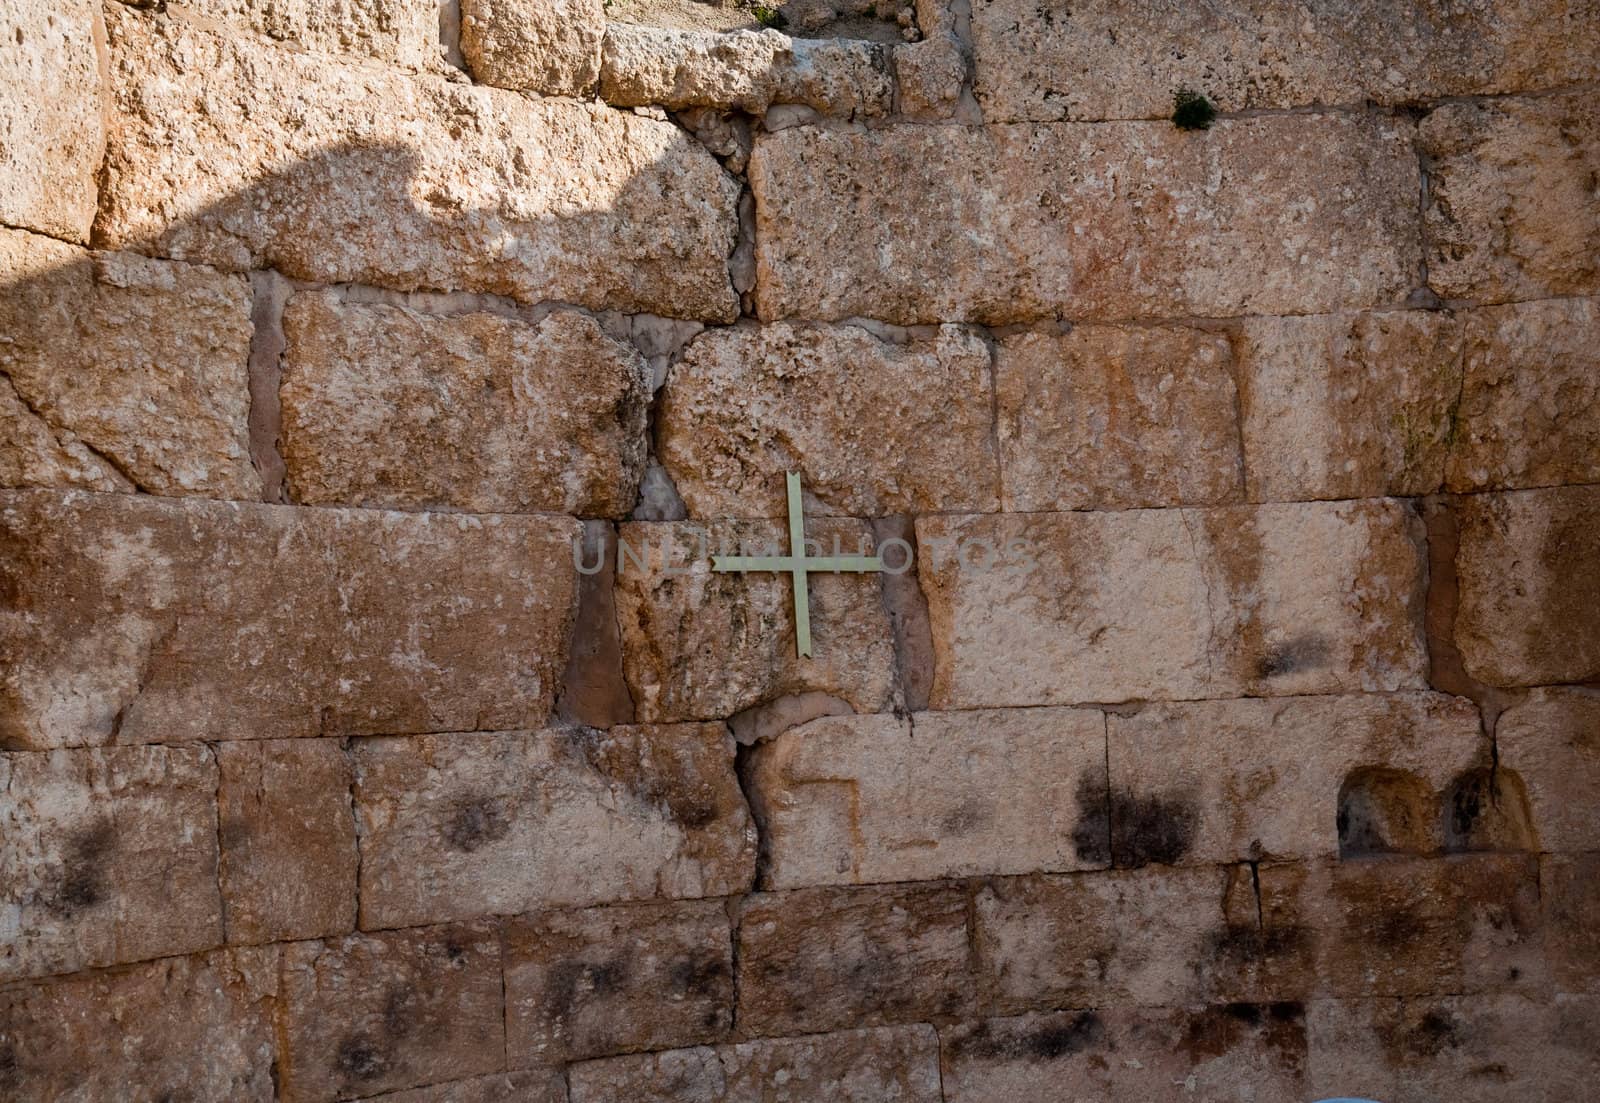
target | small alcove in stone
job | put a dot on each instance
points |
(1383, 810)
(1486, 808)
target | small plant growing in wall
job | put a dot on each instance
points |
(1192, 111)
(768, 17)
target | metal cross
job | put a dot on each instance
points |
(799, 564)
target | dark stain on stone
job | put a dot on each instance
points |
(1301, 653)
(10, 1067)
(360, 1059)
(704, 975)
(80, 880)
(476, 822)
(1434, 1033)
(574, 982)
(1058, 1036)
(400, 1012)
(1083, 1030)
(1091, 835)
(966, 816)
(1151, 829)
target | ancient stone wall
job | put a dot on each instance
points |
(379, 376)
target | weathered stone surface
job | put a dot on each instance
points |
(237, 154)
(549, 818)
(884, 1065)
(1475, 1049)
(860, 799)
(698, 644)
(1552, 745)
(551, 47)
(1569, 892)
(110, 856)
(372, 1013)
(747, 70)
(182, 1028)
(1283, 213)
(1529, 569)
(405, 32)
(288, 840)
(52, 133)
(1067, 608)
(744, 406)
(1227, 781)
(135, 620)
(536, 1086)
(1108, 417)
(823, 959)
(385, 406)
(1241, 1051)
(1530, 410)
(1124, 58)
(613, 980)
(929, 75)
(121, 371)
(1348, 405)
(1512, 210)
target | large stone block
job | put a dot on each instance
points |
(823, 959)
(389, 407)
(872, 427)
(374, 1013)
(1512, 211)
(1551, 744)
(532, 1086)
(862, 799)
(52, 130)
(1530, 409)
(1299, 777)
(885, 1065)
(182, 1028)
(1068, 608)
(135, 620)
(550, 818)
(551, 47)
(614, 980)
(405, 32)
(1529, 569)
(236, 154)
(1112, 417)
(699, 644)
(1569, 892)
(288, 840)
(1348, 405)
(1279, 214)
(110, 856)
(123, 372)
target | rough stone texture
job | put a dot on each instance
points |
(824, 959)
(885, 1065)
(551, 47)
(551, 818)
(745, 70)
(538, 1086)
(1284, 213)
(698, 644)
(1569, 892)
(110, 857)
(388, 407)
(244, 156)
(1348, 405)
(1239, 1052)
(1529, 570)
(52, 134)
(1512, 211)
(614, 980)
(182, 1028)
(930, 74)
(862, 799)
(1108, 417)
(372, 1013)
(288, 840)
(1552, 745)
(117, 371)
(134, 620)
(1224, 781)
(744, 406)
(1530, 410)
(1067, 608)
(1124, 58)
(404, 32)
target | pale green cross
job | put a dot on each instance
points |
(799, 564)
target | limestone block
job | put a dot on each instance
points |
(1112, 417)
(118, 371)
(612, 980)
(1569, 891)
(551, 47)
(389, 407)
(550, 818)
(930, 75)
(110, 856)
(134, 620)
(1067, 608)
(405, 32)
(1551, 743)
(233, 153)
(1529, 569)
(872, 427)
(1101, 221)
(534, 1086)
